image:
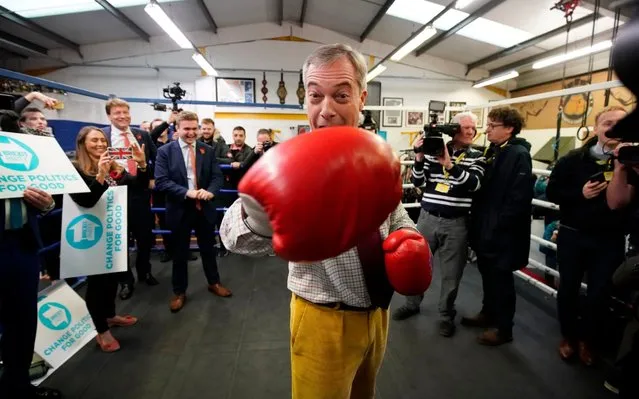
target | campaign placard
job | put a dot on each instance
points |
(35, 161)
(94, 240)
(64, 324)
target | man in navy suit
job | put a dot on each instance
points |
(187, 172)
(19, 277)
(121, 134)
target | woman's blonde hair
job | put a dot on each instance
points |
(83, 160)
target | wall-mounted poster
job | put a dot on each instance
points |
(235, 90)
(415, 119)
(392, 118)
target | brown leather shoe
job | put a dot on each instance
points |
(479, 320)
(585, 355)
(566, 349)
(219, 290)
(493, 337)
(177, 302)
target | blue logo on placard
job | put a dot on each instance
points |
(84, 232)
(17, 156)
(54, 316)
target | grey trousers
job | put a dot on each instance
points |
(447, 239)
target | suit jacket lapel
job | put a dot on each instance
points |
(181, 165)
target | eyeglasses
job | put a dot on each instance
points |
(493, 125)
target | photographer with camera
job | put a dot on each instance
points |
(264, 143)
(448, 176)
(592, 238)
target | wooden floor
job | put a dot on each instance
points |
(239, 347)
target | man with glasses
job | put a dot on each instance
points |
(500, 224)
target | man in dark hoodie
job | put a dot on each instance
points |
(500, 224)
(592, 238)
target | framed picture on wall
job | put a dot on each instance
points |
(415, 119)
(479, 112)
(235, 90)
(451, 114)
(392, 118)
(301, 129)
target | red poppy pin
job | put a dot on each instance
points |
(202, 150)
(114, 174)
(139, 137)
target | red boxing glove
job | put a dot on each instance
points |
(408, 262)
(318, 193)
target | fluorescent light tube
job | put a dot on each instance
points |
(414, 43)
(204, 64)
(376, 71)
(462, 4)
(159, 16)
(573, 54)
(496, 79)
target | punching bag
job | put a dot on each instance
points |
(625, 58)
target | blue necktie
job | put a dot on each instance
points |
(16, 220)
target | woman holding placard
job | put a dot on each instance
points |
(100, 171)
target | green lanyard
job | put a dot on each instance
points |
(457, 161)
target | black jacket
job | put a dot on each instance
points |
(565, 187)
(500, 214)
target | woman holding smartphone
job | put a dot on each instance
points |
(100, 171)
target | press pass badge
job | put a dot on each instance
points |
(120, 153)
(442, 188)
(608, 175)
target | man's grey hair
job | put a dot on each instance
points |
(466, 114)
(329, 53)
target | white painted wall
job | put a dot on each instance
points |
(418, 93)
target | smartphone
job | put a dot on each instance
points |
(598, 177)
(120, 153)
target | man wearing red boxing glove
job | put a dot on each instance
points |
(348, 250)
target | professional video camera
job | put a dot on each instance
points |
(625, 58)
(174, 93)
(433, 132)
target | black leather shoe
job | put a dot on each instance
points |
(446, 328)
(193, 256)
(222, 252)
(126, 292)
(150, 280)
(42, 392)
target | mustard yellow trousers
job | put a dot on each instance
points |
(335, 354)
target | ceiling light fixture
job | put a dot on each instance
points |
(412, 44)
(159, 16)
(204, 64)
(605, 45)
(496, 79)
(462, 4)
(375, 72)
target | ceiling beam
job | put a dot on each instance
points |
(12, 54)
(208, 16)
(445, 35)
(124, 19)
(24, 22)
(549, 53)
(280, 12)
(530, 42)
(378, 17)
(303, 13)
(23, 44)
